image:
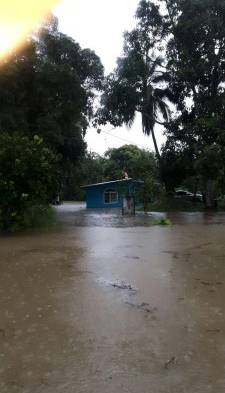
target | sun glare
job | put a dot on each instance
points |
(18, 18)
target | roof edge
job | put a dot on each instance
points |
(113, 182)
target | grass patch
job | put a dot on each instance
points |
(162, 221)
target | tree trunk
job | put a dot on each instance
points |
(156, 146)
(209, 198)
(195, 189)
(153, 138)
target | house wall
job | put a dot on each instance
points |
(95, 197)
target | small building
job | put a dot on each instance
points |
(110, 194)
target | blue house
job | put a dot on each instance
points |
(110, 194)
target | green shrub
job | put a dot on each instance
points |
(39, 216)
(162, 221)
(28, 178)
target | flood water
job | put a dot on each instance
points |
(106, 304)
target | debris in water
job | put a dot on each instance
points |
(123, 285)
(208, 283)
(205, 283)
(171, 362)
(143, 306)
(119, 285)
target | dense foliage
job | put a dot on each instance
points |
(89, 170)
(137, 85)
(172, 72)
(196, 60)
(28, 177)
(47, 91)
(137, 163)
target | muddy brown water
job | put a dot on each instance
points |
(106, 304)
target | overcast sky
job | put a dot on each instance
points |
(99, 25)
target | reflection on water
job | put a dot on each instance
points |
(108, 304)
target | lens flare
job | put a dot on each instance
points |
(18, 18)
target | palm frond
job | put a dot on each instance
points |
(130, 122)
(163, 109)
(145, 125)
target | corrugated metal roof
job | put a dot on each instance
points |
(114, 181)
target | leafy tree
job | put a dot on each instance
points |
(90, 170)
(127, 158)
(93, 168)
(210, 166)
(139, 164)
(28, 177)
(48, 89)
(196, 59)
(138, 84)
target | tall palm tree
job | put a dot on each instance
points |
(137, 85)
(155, 101)
(139, 82)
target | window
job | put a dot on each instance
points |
(110, 196)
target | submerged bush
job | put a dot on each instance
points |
(28, 178)
(162, 221)
(39, 216)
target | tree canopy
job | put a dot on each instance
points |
(138, 163)
(196, 61)
(138, 84)
(175, 54)
(48, 89)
